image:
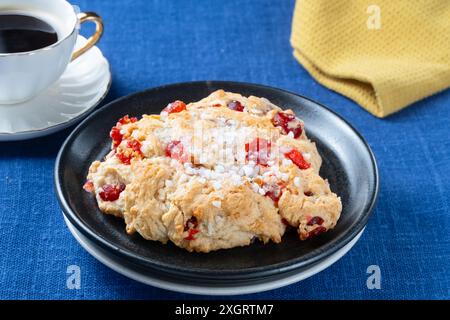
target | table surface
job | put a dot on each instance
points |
(150, 43)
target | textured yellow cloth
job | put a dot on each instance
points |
(384, 54)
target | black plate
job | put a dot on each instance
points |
(348, 164)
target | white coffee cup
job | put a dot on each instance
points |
(23, 75)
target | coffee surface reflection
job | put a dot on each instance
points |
(23, 33)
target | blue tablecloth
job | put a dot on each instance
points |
(150, 43)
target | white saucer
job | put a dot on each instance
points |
(156, 280)
(80, 89)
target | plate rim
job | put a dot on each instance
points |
(280, 267)
(293, 277)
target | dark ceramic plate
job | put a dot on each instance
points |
(348, 164)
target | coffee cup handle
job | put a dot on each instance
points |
(89, 16)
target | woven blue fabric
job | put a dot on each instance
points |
(150, 43)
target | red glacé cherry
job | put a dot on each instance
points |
(315, 220)
(175, 150)
(190, 226)
(116, 136)
(192, 233)
(316, 231)
(126, 119)
(258, 151)
(111, 192)
(170, 146)
(236, 106)
(174, 107)
(126, 156)
(274, 191)
(296, 157)
(191, 223)
(275, 195)
(288, 123)
(134, 145)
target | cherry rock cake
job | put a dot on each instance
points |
(214, 174)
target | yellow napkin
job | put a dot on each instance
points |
(384, 54)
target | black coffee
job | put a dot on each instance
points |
(21, 33)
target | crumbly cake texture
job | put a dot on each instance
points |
(214, 174)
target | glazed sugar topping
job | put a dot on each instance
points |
(225, 148)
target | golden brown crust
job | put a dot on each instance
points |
(213, 203)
